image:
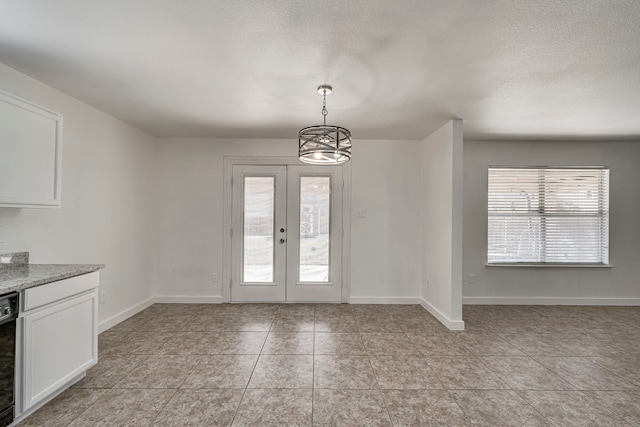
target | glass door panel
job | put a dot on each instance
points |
(315, 229)
(259, 215)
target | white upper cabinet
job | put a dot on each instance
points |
(30, 154)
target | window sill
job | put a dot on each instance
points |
(550, 265)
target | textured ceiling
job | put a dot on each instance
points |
(400, 69)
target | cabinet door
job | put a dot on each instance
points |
(30, 154)
(59, 343)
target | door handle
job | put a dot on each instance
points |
(282, 241)
(282, 230)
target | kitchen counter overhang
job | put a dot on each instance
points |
(17, 277)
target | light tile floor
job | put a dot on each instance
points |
(357, 365)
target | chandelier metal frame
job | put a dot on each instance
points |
(324, 144)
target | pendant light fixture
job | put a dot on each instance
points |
(324, 144)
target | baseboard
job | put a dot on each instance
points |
(548, 301)
(123, 315)
(384, 300)
(454, 325)
(183, 299)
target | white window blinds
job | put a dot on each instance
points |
(548, 215)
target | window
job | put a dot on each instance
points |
(548, 216)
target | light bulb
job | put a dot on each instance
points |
(317, 155)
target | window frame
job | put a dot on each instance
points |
(603, 214)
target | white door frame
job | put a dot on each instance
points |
(229, 162)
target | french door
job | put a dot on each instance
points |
(286, 242)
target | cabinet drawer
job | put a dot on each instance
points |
(56, 291)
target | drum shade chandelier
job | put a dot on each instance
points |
(324, 144)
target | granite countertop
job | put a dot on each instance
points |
(16, 276)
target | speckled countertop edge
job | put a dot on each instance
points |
(25, 276)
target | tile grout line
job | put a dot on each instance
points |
(85, 409)
(452, 397)
(514, 390)
(519, 394)
(165, 404)
(106, 389)
(378, 389)
(244, 392)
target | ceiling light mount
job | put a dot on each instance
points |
(325, 89)
(324, 144)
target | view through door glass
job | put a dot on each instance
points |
(315, 227)
(259, 216)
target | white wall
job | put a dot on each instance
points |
(190, 237)
(107, 199)
(616, 285)
(441, 164)
(385, 245)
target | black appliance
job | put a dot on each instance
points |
(8, 316)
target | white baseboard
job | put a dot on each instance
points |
(384, 300)
(453, 325)
(123, 315)
(548, 301)
(184, 299)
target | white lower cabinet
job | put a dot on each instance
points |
(58, 336)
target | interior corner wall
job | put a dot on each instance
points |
(385, 177)
(617, 285)
(385, 244)
(441, 165)
(107, 199)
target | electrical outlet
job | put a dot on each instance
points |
(361, 213)
(102, 297)
(472, 279)
(215, 277)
